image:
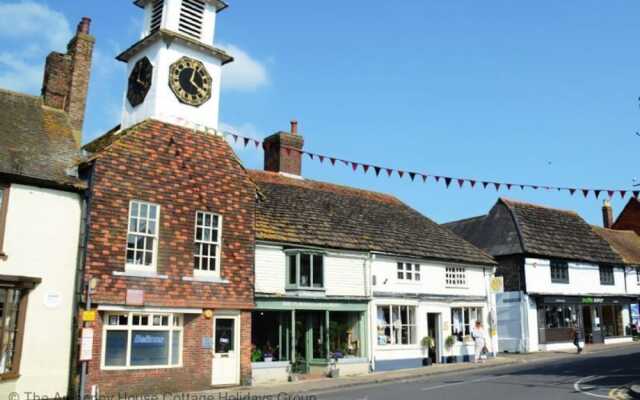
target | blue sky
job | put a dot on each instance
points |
(531, 92)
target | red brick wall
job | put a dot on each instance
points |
(183, 171)
(629, 218)
(279, 155)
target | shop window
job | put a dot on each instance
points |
(559, 316)
(559, 271)
(305, 271)
(142, 340)
(463, 319)
(606, 275)
(206, 257)
(344, 334)
(611, 323)
(142, 237)
(12, 309)
(396, 325)
(408, 272)
(456, 277)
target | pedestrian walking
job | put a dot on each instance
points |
(478, 335)
(575, 332)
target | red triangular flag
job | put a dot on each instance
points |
(412, 175)
(611, 193)
(496, 185)
(365, 167)
(389, 172)
(460, 183)
(354, 165)
(400, 173)
(623, 193)
(585, 193)
(447, 181)
(377, 169)
(485, 184)
(257, 143)
(321, 158)
(473, 183)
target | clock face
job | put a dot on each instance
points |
(140, 82)
(190, 81)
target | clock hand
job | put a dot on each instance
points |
(192, 80)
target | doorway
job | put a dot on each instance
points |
(310, 340)
(226, 351)
(591, 322)
(433, 331)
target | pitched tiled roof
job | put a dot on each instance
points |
(515, 227)
(36, 142)
(305, 212)
(625, 243)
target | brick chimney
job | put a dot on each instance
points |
(66, 77)
(607, 215)
(280, 154)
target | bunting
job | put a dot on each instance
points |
(470, 183)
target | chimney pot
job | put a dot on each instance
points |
(294, 127)
(607, 214)
(84, 26)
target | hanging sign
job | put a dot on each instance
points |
(497, 284)
(89, 316)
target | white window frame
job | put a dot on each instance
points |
(470, 324)
(456, 277)
(409, 272)
(217, 243)
(298, 254)
(129, 328)
(412, 326)
(154, 251)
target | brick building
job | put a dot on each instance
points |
(171, 213)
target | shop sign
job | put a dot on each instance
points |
(86, 344)
(89, 316)
(497, 284)
(592, 300)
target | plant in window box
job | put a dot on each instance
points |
(256, 355)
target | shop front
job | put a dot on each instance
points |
(294, 339)
(599, 319)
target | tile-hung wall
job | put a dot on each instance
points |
(414, 299)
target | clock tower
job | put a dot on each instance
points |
(174, 70)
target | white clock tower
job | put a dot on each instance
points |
(174, 70)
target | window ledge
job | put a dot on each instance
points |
(140, 274)
(304, 289)
(210, 279)
(9, 376)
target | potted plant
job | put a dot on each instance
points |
(428, 344)
(449, 342)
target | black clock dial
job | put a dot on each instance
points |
(190, 81)
(140, 82)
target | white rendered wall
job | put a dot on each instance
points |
(432, 281)
(41, 240)
(584, 279)
(633, 285)
(344, 273)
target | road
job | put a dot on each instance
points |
(580, 377)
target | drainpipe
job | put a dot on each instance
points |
(372, 314)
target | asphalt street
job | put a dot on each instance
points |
(585, 376)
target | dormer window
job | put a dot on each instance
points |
(156, 16)
(191, 18)
(305, 270)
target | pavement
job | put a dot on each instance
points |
(599, 372)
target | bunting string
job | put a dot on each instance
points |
(449, 181)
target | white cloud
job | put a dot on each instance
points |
(245, 73)
(42, 29)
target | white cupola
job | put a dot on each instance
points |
(174, 70)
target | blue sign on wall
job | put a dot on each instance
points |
(207, 342)
(635, 314)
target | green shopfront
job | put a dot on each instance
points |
(304, 337)
(601, 319)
